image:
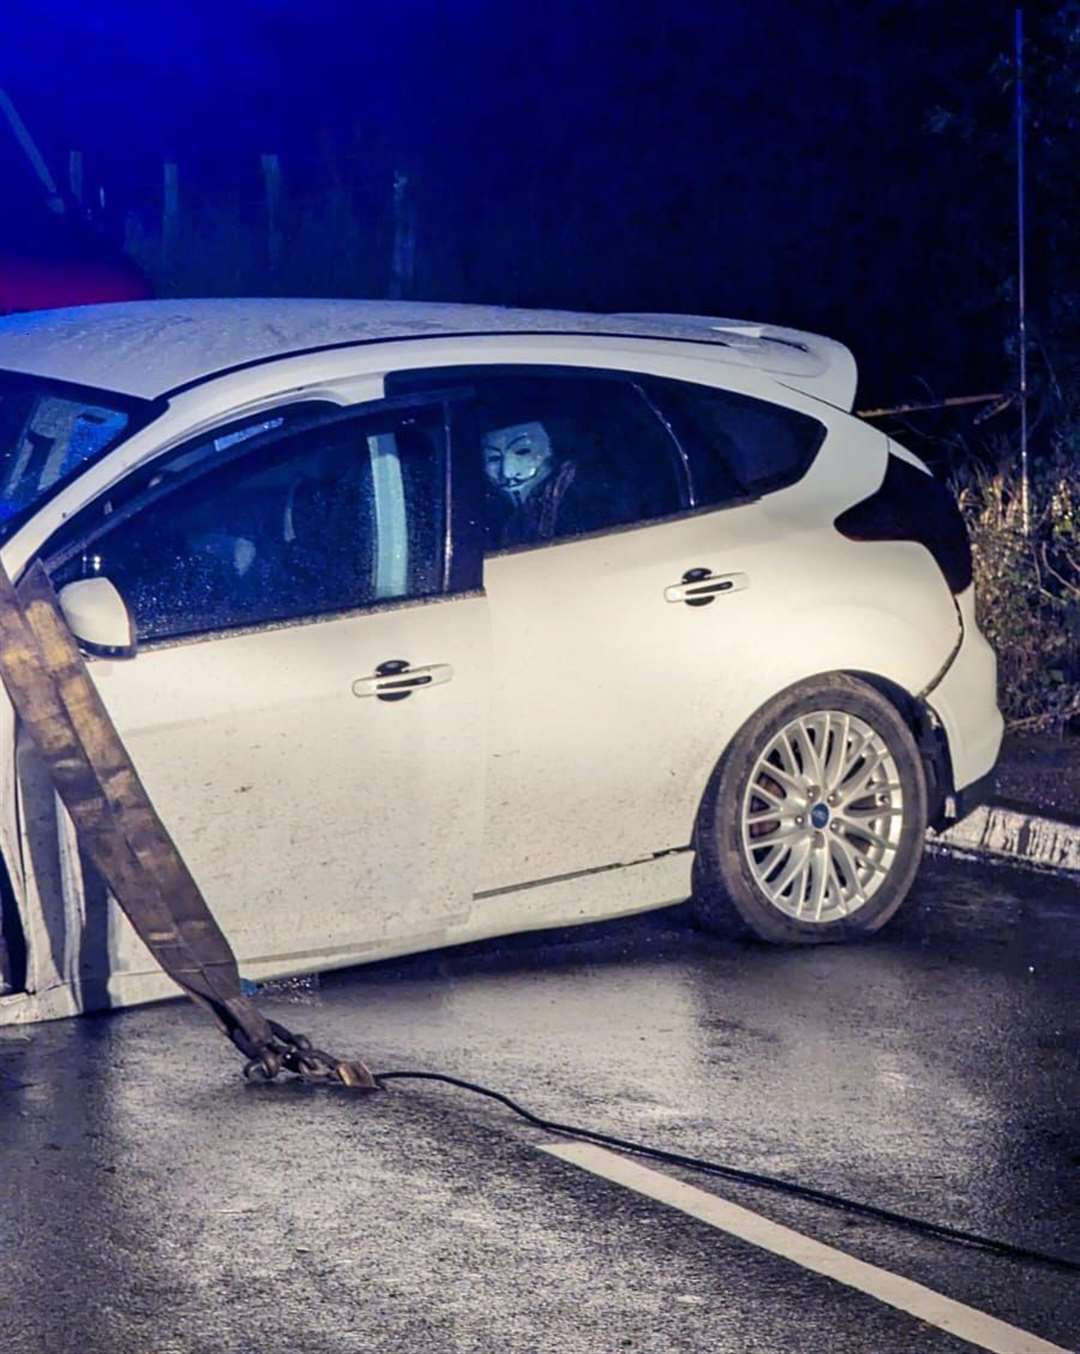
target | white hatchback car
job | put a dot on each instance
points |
(424, 623)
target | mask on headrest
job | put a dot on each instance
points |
(518, 458)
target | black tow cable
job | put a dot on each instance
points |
(938, 1230)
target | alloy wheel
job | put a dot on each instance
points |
(822, 816)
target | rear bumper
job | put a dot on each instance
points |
(965, 702)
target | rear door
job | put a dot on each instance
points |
(306, 704)
(594, 674)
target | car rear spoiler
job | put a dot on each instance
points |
(820, 366)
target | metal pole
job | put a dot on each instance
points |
(1025, 484)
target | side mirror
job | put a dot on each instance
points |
(98, 618)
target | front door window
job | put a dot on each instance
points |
(290, 525)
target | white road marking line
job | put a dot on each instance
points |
(904, 1294)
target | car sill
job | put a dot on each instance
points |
(578, 874)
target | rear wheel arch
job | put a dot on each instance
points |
(925, 726)
(930, 738)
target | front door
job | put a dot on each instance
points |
(306, 705)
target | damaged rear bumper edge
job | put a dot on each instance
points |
(979, 792)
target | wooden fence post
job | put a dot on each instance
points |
(170, 213)
(75, 174)
(403, 258)
(134, 239)
(271, 168)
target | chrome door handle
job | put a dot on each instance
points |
(700, 586)
(394, 680)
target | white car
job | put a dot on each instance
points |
(424, 623)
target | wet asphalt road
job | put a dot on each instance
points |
(154, 1204)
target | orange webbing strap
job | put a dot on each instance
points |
(117, 825)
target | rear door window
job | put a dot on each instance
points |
(563, 452)
(737, 446)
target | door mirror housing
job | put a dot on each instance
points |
(98, 617)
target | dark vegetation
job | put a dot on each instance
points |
(1029, 583)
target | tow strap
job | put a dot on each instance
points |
(120, 832)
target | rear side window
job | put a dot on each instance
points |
(737, 446)
(327, 519)
(562, 453)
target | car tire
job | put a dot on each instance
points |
(812, 826)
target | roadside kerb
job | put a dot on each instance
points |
(997, 832)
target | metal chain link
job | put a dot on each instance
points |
(295, 1053)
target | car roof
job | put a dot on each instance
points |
(150, 349)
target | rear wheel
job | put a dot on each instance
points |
(812, 826)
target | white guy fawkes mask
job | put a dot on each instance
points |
(518, 458)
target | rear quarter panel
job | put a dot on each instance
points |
(817, 602)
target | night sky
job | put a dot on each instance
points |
(765, 160)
